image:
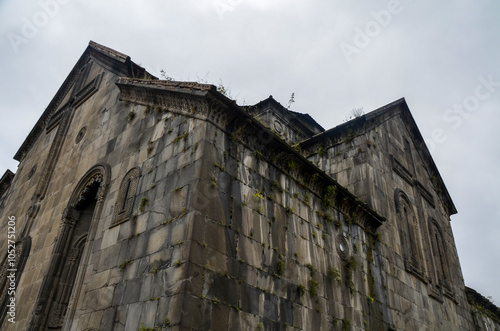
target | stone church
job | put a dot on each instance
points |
(147, 204)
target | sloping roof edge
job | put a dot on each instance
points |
(398, 106)
(5, 181)
(122, 64)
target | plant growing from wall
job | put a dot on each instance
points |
(276, 185)
(350, 265)
(257, 154)
(349, 137)
(179, 137)
(280, 268)
(291, 165)
(321, 150)
(313, 288)
(143, 204)
(306, 199)
(131, 116)
(214, 182)
(334, 274)
(150, 147)
(144, 328)
(259, 196)
(123, 265)
(346, 324)
(328, 200)
(312, 269)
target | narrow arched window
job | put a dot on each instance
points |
(126, 194)
(409, 234)
(441, 268)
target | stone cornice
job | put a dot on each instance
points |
(204, 102)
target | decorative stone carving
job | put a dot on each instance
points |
(80, 134)
(32, 172)
(126, 194)
(409, 235)
(342, 246)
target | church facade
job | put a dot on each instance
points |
(147, 204)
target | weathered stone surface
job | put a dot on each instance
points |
(237, 223)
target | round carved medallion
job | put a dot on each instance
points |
(278, 126)
(80, 134)
(342, 246)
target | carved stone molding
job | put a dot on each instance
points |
(93, 183)
(401, 171)
(87, 91)
(425, 194)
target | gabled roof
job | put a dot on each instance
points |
(116, 62)
(367, 121)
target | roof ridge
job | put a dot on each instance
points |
(109, 51)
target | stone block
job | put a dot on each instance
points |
(216, 261)
(196, 312)
(133, 317)
(159, 238)
(98, 280)
(220, 317)
(108, 258)
(131, 291)
(110, 237)
(225, 289)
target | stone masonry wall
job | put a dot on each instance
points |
(373, 162)
(232, 229)
(134, 269)
(266, 252)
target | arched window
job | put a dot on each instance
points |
(442, 276)
(126, 194)
(409, 234)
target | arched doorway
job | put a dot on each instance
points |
(61, 285)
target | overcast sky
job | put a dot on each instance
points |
(334, 55)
